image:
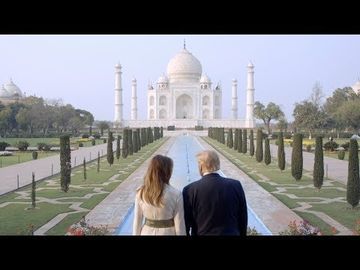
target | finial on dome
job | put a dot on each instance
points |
(184, 44)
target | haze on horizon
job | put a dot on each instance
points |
(79, 69)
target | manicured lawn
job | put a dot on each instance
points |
(15, 220)
(303, 189)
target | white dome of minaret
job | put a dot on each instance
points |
(205, 79)
(163, 79)
(184, 67)
(250, 64)
(356, 87)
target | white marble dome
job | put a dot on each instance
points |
(184, 66)
(12, 89)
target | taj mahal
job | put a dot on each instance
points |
(185, 97)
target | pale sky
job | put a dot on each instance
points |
(80, 68)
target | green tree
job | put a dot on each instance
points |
(161, 132)
(353, 183)
(349, 114)
(240, 140)
(33, 191)
(308, 116)
(244, 142)
(103, 125)
(130, 142)
(252, 150)
(236, 138)
(118, 147)
(135, 141)
(297, 157)
(98, 162)
(333, 103)
(282, 124)
(281, 152)
(125, 143)
(272, 111)
(110, 152)
(84, 167)
(259, 145)
(230, 142)
(318, 173)
(267, 158)
(65, 162)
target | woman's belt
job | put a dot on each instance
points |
(166, 223)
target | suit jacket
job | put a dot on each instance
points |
(215, 205)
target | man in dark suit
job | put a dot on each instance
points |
(214, 205)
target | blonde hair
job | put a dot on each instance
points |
(209, 160)
(157, 175)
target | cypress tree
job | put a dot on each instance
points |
(281, 152)
(318, 173)
(65, 162)
(84, 166)
(146, 136)
(230, 139)
(125, 148)
(259, 145)
(252, 143)
(33, 191)
(161, 132)
(222, 133)
(130, 142)
(244, 142)
(135, 141)
(353, 183)
(236, 139)
(267, 158)
(98, 162)
(110, 152)
(151, 135)
(239, 147)
(297, 157)
(138, 138)
(118, 147)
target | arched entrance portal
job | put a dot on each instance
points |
(184, 107)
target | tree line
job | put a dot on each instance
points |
(338, 112)
(33, 115)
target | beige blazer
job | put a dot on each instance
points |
(173, 208)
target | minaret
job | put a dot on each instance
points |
(118, 97)
(133, 100)
(234, 100)
(250, 123)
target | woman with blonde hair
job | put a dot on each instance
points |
(159, 208)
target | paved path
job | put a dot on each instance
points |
(337, 169)
(44, 167)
